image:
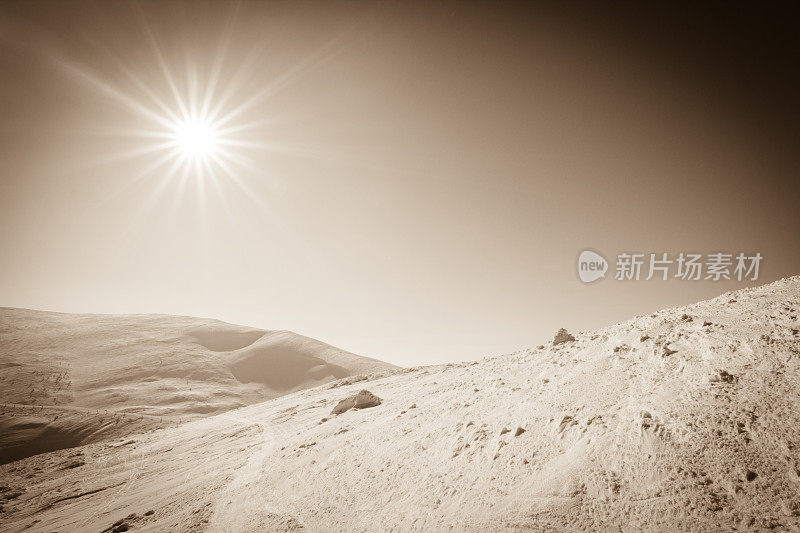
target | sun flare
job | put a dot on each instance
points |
(197, 139)
(195, 120)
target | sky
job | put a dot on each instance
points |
(407, 181)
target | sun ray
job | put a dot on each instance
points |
(137, 81)
(219, 60)
(162, 63)
(136, 152)
(143, 173)
(118, 95)
(325, 53)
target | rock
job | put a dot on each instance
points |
(561, 337)
(669, 351)
(750, 475)
(686, 318)
(362, 400)
(504, 431)
(566, 423)
(519, 432)
(120, 525)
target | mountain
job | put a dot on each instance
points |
(73, 379)
(682, 420)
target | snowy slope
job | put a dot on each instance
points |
(686, 419)
(69, 379)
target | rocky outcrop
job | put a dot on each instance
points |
(562, 336)
(362, 400)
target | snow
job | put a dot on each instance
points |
(75, 379)
(618, 434)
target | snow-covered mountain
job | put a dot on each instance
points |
(686, 419)
(73, 379)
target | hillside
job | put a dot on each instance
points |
(686, 419)
(72, 379)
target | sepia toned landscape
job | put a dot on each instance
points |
(685, 419)
(440, 266)
(70, 380)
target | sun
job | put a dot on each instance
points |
(195, 121)
(196, 139)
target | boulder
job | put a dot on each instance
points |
(561, 337)
(362, 400)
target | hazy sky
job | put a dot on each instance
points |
(408, 183)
